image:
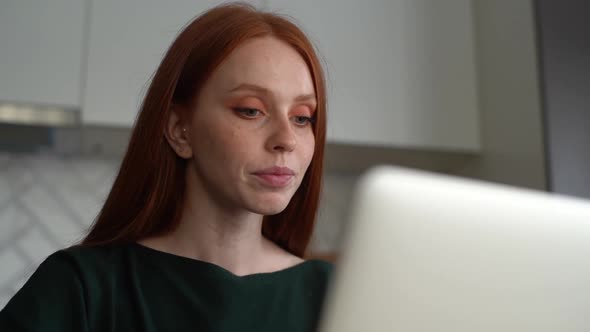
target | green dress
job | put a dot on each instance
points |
(134, 288)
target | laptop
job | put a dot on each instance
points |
(428, 252)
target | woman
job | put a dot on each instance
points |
(213, 207)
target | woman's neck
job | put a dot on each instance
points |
(232, 240)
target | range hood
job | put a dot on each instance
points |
(30, 114)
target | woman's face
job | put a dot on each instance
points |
(251, 135)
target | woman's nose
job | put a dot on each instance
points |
(282, 137)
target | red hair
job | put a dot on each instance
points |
(147, 194)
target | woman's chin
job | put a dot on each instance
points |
(270, 207)
(271, 210)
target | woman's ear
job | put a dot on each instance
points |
(177, 135)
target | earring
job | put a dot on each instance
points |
(180, 148)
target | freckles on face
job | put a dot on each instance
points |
(217, 140)
(254, 113)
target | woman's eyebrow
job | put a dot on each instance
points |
(307, 97)
(265, 91)
(250, 87)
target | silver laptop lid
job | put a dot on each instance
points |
(427, 252)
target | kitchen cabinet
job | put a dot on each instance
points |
(127, 42)
(401, 73)
(41, 52)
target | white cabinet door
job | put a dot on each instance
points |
(400, 72)
(128, 39)
(41, 47)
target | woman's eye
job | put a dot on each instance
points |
(248, 112)
(302, 120)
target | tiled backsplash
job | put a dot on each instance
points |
(48, 201)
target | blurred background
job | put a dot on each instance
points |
(496, 90)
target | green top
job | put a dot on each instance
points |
(135, 288)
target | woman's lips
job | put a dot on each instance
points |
(275, 180)
(275, 176)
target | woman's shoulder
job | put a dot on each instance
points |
(87, 255)
(321, 267)
(83, 262)
(76, 270)
(317, 272)
(60, 289)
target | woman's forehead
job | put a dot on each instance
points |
(265, 62)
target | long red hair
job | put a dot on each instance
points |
(147, 194)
